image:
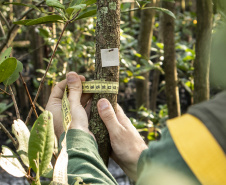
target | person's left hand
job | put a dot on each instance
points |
(77, 101)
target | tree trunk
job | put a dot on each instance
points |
(144, 48)
(107, 36)
(203, 42)
(170, 69)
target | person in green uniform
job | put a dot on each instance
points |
(191, 150)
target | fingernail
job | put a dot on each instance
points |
(103, 104)
(72, 78)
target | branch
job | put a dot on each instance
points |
(50, 62)
(5, 92)
(13, 29)
(4, 19)
(28, 94)
(14, 102)
(15, 143)
(47, 69)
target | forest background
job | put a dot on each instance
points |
(164, 61)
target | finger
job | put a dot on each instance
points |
(108, 116)
(75, 88)
(82, 78)
(58, 90)
(122, 118)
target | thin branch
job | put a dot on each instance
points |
(2, 29)
(47, 69)
(13, 29)
(4, 19)
(15, 143)
(14, 102)
(5, 92)
(50, 62)
(28, 94)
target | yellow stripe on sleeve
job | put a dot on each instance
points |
(199, 149)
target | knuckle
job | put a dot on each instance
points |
(108, 115)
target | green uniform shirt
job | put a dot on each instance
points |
(159, 160)
(160, 164)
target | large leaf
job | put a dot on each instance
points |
(45, 19)
(22, 4)
(15, 75)
(75, 8)
(23, 22)
(55, 3)
(41, 141)
(22, 134)
(5, 54)
(7, 67)
(10, 163)
(88, 12)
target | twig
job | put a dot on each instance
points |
(15, 143)
(5, 92)
(4, 19)
(28, 94)
(50, 62)
(13, 29)
(43, 78)
(14, 102)
(2, 29)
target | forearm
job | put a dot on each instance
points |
(84, 160)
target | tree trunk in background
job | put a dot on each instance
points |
(107, 36)
(203, 42)
(171, 89)
(144, 48)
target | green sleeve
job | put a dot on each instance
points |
(84, 160)
(162, 164)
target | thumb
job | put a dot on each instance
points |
(75, 88)
(108, 116)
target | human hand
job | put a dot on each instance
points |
(76, 99)
(126, 142)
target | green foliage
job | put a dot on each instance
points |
(4, 55)
(7, 67)
(55, 3)
(15, 75)
(41, 142)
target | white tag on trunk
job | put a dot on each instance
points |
(110, 57)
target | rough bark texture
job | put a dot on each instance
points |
(144, 48)
(170, 69)
(203, 42)
(107, 36)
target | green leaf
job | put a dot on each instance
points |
(4, 106)
(11, 164)
(7, 67)
(23, 22)
(22, 4)
(22, 134)
(88, 12)
(75, 2)
(45, 19)
(75, 8)
(5, 54)
(89, 2)
(41, 141)
(15, 75)
(162, 10)
(55, 3)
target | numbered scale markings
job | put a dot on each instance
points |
(98, 86)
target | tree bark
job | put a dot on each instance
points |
(171, 89)
(203, 42)
(144, 48)
(107, 36)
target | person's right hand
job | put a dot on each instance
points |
(126, 142)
